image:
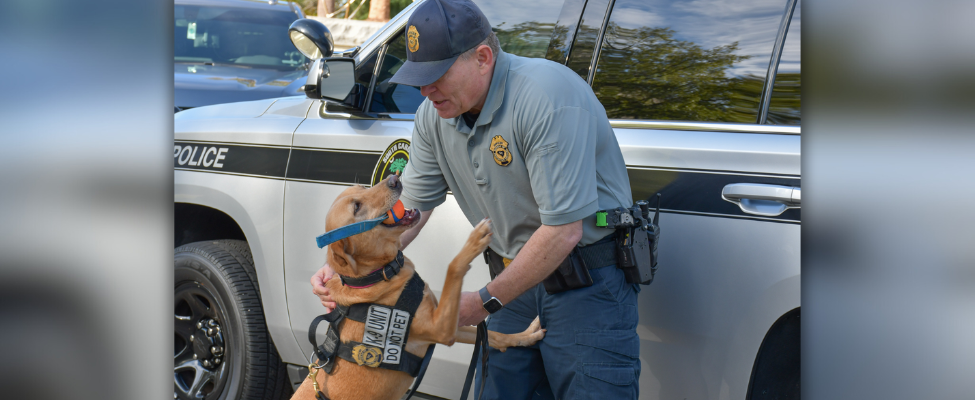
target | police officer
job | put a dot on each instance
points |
(525, 143)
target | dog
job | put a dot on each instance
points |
(433, 322)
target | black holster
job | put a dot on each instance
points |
(494, 261)
(571, 274)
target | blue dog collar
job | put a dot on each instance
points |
(337, 234)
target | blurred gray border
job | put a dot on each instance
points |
(86, 189)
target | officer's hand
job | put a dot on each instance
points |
(318, 286)
(472, 310)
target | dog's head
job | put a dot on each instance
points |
(360, 254)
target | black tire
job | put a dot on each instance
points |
(776, 373)
(234, 357)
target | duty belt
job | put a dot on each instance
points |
(596, 255)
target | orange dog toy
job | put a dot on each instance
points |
(395, 214)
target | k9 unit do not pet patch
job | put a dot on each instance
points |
(386, 328)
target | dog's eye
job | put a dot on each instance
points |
(356, 210)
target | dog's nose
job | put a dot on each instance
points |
(393, 182)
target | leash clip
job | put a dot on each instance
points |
(313, 375)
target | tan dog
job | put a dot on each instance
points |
(357, 256)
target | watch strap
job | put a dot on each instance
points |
(490, 303)
(485, 296)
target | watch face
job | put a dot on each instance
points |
(493, 305)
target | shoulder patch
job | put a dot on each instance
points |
(499, 147)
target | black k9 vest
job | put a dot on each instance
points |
(384, 338)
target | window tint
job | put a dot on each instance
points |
(389, 97)
(564, 31)
(784, 105)
(235, 36)
(689, 60)
(580, 59)
(363, 77)
(523, 27)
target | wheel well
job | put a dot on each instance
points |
(775, 374)
(195, 223)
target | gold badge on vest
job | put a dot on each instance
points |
(413, 39)
(367, 355)
(500, 149)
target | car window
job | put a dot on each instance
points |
(580, 59)
(563, 34)
(523, 27)
(688, 60)
(363, 78)
(784, 104)
(235, 36)
(389, 97)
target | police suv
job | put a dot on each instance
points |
(704, 97)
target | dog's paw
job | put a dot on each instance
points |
(477, 242)
(534, 333)
(480, 237)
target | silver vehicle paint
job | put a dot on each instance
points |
(725, 276)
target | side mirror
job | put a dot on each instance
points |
(311, 38)
(330, 78)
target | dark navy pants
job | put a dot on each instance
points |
(590, 351)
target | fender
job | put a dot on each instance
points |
(251, 203)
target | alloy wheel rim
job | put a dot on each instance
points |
(200, 357)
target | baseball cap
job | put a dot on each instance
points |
(437, 33)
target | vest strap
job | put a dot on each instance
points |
(332, 348)
(409, 362)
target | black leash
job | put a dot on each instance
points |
(423, 370)
(480, 346)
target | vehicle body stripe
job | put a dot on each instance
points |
(332, 166)
(227, 158)
(683, 191)
(699, 192)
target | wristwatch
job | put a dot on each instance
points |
(491, 303)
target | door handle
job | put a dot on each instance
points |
(762, 199)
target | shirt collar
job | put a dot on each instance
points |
(494, 97)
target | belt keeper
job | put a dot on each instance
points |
(384, 274)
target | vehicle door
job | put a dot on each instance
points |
(703, 119)
(366, 138)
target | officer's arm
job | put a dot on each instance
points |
(541, 255)
(407, 237)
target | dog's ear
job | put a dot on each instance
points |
(340, 257)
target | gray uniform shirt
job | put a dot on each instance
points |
(541, 152)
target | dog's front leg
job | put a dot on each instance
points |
(502, 341)
(443, 320)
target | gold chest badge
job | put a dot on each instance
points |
(413, 39)
(500, 149)
(367, 355)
